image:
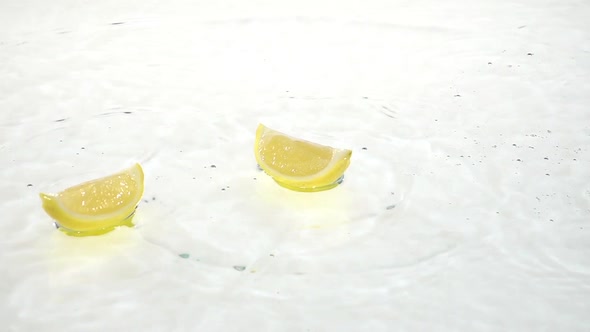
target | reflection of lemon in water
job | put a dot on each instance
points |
(297, 164)
(97, 206)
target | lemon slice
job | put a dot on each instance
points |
(98, 206)
(298, 164)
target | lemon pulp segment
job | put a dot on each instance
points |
(97, 206)
(298, 164)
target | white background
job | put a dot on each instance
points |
(468, 210)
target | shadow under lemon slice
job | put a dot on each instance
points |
(97, 206)
(297, 164)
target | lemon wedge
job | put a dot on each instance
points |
(98, 206)
(297, 164)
